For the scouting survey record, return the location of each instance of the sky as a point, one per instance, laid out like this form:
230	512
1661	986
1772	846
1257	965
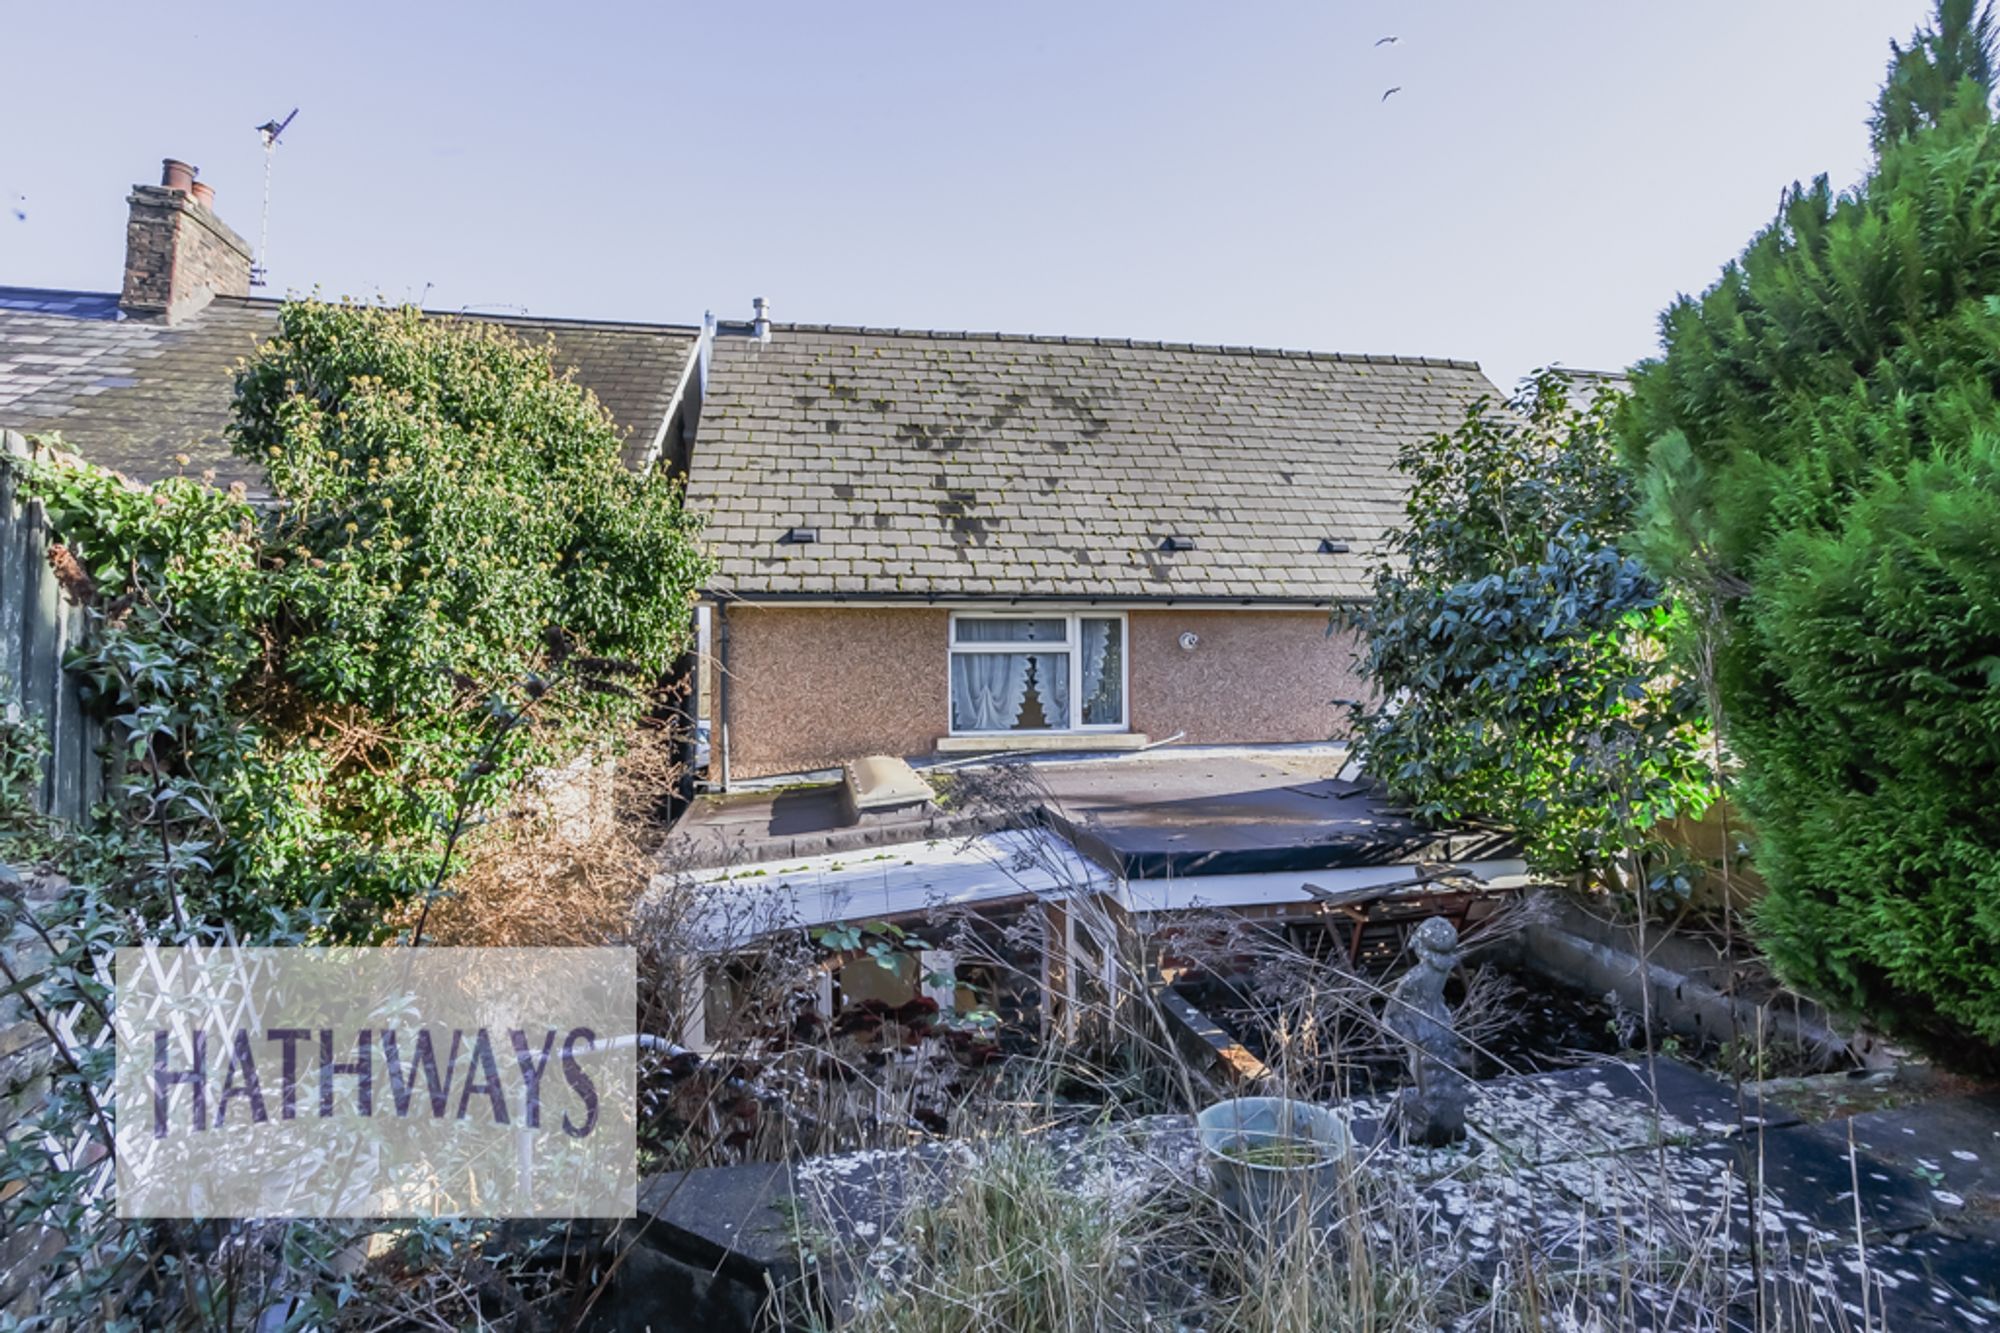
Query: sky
1551	174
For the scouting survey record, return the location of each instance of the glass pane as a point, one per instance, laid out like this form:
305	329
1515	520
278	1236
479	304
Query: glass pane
1048	690
1051	630
1009	691
1103	649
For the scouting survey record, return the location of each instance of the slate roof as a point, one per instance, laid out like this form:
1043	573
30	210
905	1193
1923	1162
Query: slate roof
1585	385
131	395
941	465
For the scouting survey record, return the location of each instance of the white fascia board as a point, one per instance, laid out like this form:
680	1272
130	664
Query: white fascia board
996	603
1288	887
697	357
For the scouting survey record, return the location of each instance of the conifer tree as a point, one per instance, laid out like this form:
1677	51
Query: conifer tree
1941	64
1822	444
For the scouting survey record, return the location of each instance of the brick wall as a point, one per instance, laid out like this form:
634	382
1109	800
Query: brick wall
178	256
812	687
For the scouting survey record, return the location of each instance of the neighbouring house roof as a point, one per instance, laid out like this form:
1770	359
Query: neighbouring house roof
945	465
130	395
1585	385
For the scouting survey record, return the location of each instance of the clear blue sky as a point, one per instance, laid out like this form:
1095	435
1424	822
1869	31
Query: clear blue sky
1551	174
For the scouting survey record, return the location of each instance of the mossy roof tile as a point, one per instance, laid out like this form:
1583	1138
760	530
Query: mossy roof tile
977	458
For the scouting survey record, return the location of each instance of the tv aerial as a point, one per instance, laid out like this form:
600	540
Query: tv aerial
269	132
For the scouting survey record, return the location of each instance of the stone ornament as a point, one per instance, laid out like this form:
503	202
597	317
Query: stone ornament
1431	1111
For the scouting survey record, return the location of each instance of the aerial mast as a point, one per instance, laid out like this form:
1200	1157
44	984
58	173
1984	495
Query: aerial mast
269	131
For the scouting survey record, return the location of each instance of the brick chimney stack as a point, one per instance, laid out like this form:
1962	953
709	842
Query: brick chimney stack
178	254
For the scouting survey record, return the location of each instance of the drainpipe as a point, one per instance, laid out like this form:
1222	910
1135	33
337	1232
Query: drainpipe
721	738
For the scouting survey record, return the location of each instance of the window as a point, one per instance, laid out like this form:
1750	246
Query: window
1037	672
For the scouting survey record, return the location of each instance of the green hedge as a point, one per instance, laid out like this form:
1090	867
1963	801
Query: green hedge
1822	434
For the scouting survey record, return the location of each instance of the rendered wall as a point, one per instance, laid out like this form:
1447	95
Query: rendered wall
812	687
1253	676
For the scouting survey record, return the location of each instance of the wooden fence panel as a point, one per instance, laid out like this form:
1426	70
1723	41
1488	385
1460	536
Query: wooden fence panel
38	626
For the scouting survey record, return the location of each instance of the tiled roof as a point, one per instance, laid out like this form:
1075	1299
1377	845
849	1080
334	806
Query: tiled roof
131	395
1585	385
970	464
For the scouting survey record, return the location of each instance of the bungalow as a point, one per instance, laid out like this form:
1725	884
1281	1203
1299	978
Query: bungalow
925	543
940	543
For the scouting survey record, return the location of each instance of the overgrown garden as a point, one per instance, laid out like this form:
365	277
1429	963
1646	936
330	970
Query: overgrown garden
1768	580
1820	432
318	708
457	590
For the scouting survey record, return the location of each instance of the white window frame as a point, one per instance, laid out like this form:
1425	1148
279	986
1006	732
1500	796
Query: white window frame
1071	646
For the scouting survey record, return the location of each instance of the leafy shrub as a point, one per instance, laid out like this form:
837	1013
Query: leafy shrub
449	499
1519	655
1822	432
460	585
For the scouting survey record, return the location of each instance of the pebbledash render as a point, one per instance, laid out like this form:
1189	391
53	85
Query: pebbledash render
935	543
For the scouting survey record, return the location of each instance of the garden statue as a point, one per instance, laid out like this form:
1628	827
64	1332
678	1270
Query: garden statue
1431	1111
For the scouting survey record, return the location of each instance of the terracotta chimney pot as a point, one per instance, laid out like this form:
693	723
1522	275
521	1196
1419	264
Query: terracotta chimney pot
176	174
204	194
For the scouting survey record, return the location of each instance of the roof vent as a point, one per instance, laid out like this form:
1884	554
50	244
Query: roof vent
760	319
1333	546
1177	544
799	536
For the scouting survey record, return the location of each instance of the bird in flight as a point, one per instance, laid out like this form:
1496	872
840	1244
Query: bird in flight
20	213
1388	41
1392	92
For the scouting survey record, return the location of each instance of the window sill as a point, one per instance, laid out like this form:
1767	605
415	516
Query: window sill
1045	742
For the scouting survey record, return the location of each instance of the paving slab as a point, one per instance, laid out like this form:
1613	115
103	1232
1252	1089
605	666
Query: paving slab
1699	1100
1611	1106
1815	1179
1935	1280
1951	1145
737	1219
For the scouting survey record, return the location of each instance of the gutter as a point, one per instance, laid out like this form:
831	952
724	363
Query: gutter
954	599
